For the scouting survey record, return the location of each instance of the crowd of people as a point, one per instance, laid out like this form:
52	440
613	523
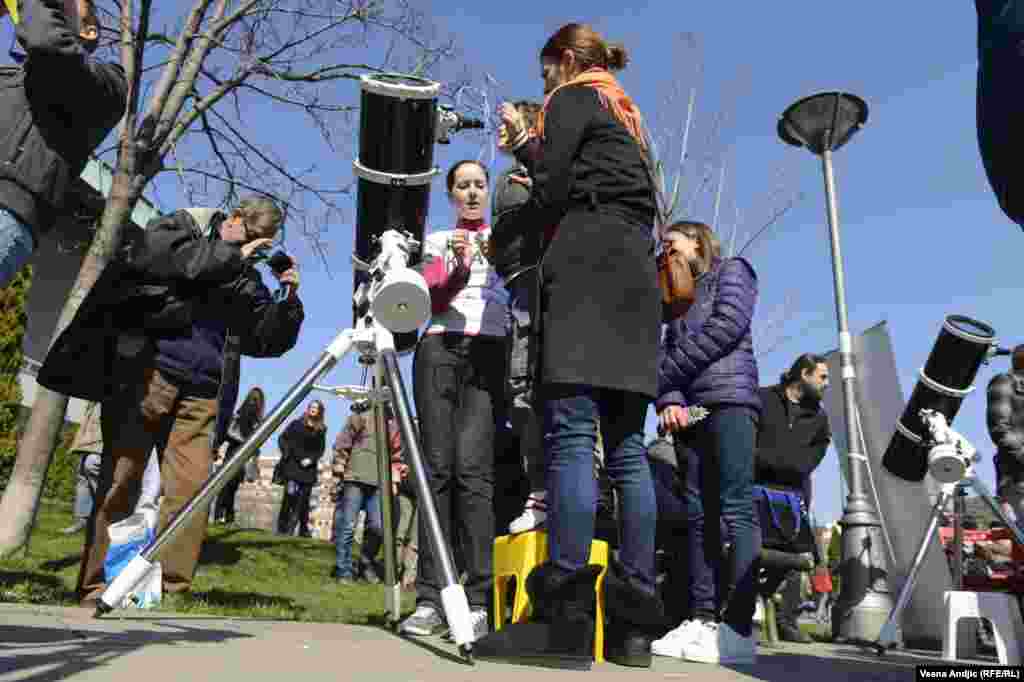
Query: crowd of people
561	291
550	338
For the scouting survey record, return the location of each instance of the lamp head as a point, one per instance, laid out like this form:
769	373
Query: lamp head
823	122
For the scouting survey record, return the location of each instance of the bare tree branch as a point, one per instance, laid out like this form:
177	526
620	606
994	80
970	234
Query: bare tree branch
163	88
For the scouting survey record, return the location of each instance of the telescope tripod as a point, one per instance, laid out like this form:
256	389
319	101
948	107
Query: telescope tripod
375	345
890	636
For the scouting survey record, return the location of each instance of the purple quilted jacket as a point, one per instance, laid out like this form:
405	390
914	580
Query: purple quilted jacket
707	356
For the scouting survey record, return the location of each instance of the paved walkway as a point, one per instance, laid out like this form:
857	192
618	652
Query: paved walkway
42	644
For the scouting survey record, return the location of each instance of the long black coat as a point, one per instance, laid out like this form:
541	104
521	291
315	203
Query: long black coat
600	302
149	290
299	442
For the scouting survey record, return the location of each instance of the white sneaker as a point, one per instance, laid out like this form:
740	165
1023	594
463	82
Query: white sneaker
481	626
719	643
672	643
535	513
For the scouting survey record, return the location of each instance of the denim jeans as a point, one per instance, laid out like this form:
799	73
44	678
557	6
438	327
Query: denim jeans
525	420
88	482
719	498
16	246
572	414
354	498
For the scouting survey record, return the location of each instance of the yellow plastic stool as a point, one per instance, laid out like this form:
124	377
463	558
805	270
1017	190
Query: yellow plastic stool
516	555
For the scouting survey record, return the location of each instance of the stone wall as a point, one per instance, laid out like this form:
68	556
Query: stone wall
258	503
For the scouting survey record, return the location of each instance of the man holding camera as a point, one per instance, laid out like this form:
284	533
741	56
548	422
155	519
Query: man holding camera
55	109
158	340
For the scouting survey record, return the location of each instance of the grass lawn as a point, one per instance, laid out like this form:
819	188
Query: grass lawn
243	573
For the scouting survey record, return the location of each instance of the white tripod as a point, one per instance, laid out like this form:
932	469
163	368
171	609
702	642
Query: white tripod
951	462
397	300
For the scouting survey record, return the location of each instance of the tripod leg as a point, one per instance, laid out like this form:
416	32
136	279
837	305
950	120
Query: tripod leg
139	567
453	596
889	635
985	494
392	594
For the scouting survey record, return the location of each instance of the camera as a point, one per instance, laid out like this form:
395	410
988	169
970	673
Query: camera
280	263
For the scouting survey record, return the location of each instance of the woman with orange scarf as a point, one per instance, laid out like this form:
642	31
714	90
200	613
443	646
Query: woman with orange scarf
594	201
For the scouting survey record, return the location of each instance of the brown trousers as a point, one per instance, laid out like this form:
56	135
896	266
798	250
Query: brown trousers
153	413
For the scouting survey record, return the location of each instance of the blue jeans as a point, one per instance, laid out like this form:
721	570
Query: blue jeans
88	481
571	416
356	497
718	492
16	246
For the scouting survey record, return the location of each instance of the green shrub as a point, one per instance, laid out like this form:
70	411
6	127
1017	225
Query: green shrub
12	335
62	475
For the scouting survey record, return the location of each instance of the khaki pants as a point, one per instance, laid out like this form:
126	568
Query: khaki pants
406	538
153	413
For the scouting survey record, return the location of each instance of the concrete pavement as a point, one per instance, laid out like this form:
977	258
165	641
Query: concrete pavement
45	644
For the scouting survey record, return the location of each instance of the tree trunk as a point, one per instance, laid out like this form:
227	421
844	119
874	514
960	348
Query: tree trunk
20	503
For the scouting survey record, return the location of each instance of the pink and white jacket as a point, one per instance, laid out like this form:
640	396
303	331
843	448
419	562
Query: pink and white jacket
465	298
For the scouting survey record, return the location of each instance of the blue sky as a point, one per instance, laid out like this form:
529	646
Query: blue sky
922	235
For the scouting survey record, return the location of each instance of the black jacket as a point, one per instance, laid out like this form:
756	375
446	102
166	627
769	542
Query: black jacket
600	306
516	245
150	290
791	441
54	111
1000	100
299	442
1005	419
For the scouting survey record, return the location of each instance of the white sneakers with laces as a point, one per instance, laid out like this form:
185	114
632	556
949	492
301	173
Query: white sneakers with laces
704	642
673	642
535	513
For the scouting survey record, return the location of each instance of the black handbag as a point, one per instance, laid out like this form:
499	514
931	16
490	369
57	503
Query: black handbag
785	524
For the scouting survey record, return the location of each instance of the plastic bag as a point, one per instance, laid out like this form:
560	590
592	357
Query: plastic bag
127	539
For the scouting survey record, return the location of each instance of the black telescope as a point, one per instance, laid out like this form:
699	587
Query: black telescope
947	378
397	129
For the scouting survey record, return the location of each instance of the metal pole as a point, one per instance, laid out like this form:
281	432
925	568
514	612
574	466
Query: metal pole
392	596
419	473
982	490
132	574
453	596
958	538
863	567
890	631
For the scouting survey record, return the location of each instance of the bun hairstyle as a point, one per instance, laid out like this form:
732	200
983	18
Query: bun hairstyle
617	57
588	47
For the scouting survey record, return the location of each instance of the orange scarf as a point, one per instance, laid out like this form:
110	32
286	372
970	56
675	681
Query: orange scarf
613	97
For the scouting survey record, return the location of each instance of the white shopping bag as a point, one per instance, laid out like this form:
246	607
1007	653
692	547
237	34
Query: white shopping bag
127	539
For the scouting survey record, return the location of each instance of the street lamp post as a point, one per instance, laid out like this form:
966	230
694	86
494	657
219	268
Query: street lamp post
823	123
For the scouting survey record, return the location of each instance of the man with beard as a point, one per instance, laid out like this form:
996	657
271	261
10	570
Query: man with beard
792	438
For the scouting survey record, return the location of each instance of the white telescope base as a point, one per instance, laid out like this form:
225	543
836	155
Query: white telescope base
456	608
130	577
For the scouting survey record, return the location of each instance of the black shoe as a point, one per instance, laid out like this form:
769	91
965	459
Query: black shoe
560	633
634	618
788	632
369	573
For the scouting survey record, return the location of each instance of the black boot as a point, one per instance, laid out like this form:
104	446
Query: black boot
560	632
633	619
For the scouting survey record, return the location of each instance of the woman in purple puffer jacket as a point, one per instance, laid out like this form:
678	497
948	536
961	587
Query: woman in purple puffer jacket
707	358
